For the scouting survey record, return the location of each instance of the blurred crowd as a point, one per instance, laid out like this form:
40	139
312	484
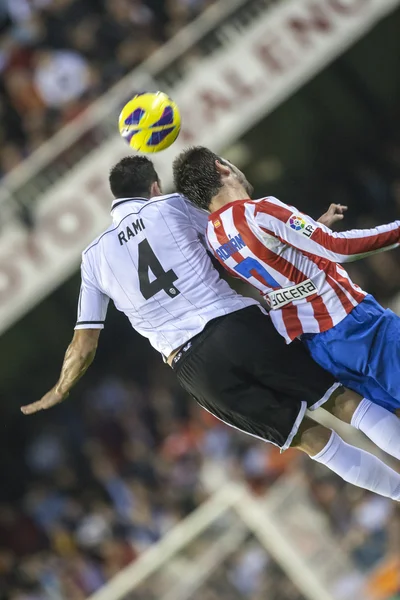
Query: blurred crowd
367	179
109	472
56	56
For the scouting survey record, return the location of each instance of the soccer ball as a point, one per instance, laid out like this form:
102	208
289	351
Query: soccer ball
150	122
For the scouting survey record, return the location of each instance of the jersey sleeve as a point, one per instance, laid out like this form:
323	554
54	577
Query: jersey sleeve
302	232
92	304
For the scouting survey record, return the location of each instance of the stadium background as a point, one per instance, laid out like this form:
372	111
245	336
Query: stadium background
85	488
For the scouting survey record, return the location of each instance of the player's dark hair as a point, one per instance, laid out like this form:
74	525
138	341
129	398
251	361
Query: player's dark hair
132	177
196	176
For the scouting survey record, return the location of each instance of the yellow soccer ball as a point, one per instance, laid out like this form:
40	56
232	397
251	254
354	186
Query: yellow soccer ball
150	122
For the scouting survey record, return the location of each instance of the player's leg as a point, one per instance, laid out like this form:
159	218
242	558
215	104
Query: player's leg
352	464
241	371
379	425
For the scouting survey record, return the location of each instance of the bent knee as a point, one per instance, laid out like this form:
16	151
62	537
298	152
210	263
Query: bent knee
344	404
311	437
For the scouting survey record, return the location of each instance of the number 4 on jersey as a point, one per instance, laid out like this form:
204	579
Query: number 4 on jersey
164	280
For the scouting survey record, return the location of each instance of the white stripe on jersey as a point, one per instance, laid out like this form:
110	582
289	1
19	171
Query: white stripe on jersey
274	246
246	252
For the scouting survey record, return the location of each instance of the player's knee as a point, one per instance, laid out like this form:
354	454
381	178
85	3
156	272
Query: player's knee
311	437
344	404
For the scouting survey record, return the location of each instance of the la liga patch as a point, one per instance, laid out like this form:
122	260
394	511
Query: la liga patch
300	225
297	223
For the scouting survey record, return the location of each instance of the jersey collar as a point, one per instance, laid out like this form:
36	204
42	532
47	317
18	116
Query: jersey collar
120	201
225	207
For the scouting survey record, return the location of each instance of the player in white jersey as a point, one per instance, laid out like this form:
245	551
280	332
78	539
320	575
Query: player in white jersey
152	263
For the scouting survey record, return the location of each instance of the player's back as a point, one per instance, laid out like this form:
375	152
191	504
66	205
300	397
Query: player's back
152	264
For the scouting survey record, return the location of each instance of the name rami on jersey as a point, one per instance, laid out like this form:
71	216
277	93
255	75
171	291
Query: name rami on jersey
130	231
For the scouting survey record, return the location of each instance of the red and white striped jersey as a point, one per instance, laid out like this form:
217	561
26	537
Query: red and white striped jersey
292	260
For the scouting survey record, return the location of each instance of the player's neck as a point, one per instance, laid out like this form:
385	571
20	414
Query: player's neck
227	195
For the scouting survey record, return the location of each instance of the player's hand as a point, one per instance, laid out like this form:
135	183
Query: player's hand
334	214
50	399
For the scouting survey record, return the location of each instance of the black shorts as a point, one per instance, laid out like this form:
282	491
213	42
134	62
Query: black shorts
240	370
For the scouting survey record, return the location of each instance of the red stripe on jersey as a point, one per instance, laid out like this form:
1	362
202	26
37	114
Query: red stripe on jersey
290	315
339	245
329	268
269	208
292	322
348	285
321	313
223	239
345	302
331	271
337	291
264	254
354	246
317	260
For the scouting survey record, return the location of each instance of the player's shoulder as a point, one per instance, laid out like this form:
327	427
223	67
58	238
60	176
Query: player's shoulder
259	202
268	199
270	205
138	206
169	205
166	200
95	243
266	204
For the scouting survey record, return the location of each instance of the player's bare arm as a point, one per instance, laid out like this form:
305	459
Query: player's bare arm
78	358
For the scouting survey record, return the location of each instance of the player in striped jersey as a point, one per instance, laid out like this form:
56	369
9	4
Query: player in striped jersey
223	348
293	261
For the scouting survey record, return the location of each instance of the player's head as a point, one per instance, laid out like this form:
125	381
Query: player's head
201	175
134	177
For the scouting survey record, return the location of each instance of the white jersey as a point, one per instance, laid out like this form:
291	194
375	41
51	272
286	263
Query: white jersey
152	263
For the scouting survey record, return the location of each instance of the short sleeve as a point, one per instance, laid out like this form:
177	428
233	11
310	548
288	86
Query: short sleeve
92	304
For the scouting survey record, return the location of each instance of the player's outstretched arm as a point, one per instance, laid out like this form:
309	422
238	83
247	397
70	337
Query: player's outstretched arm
78	358
302	232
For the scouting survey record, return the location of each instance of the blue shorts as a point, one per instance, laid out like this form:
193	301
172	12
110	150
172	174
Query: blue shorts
363	352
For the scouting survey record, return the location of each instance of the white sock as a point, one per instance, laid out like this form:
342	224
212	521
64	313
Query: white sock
359	468
380	425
